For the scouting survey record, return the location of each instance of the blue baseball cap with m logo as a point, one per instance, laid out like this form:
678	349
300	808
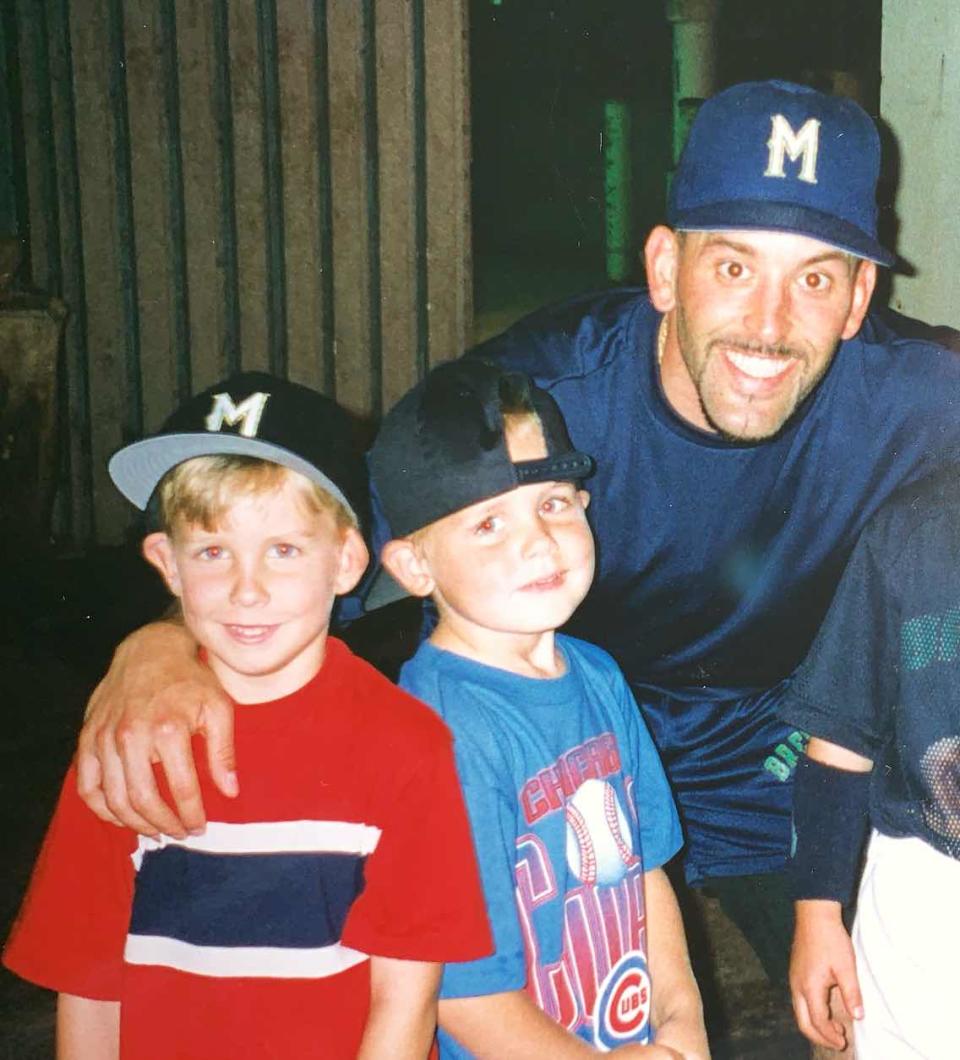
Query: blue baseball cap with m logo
783	157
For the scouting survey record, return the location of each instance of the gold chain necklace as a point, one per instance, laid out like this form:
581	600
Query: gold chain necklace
661	341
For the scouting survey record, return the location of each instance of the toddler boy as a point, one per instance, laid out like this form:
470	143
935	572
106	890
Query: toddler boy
880	695
571	813
309	919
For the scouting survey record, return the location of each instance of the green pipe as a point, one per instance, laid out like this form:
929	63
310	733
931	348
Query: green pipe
618	222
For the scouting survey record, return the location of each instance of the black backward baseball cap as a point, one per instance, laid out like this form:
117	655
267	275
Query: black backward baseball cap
442	447
258	415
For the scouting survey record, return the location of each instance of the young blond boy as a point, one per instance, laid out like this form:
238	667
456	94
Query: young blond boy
571	813
309	919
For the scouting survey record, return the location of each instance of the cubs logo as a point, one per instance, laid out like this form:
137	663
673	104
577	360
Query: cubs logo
623	1004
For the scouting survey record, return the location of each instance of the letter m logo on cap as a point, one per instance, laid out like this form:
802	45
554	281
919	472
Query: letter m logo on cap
247	413
785	143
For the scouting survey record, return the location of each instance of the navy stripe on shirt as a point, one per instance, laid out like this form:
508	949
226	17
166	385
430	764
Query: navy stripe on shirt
262	899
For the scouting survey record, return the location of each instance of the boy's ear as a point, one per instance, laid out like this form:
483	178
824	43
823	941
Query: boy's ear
158	552
354	557
407	566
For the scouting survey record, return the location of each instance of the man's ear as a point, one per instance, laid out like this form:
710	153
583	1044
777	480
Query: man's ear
863	285
406	565
158	552
354	557
661	255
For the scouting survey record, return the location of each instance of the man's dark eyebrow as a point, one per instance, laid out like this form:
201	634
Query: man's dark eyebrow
717	239
830	255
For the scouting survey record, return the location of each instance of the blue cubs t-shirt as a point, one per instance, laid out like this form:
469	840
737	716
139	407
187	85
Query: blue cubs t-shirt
569	806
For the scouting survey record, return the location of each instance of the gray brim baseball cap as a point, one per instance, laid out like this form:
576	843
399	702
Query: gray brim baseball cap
258	415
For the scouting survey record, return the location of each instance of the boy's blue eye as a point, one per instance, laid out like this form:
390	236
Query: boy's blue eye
211	552
285	551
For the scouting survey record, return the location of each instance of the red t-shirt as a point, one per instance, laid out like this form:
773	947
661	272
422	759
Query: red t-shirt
348	838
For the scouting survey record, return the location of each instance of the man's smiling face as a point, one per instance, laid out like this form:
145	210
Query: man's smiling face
758	316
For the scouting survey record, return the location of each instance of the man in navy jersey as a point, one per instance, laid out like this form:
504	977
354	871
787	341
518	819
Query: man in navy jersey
747	416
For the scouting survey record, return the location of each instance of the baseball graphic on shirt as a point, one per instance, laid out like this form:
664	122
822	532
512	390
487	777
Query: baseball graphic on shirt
599	845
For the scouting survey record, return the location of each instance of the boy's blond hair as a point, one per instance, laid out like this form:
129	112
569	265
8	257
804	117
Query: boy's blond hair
199	491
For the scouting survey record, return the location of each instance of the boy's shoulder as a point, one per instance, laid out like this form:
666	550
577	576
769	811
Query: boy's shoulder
431	673
368	699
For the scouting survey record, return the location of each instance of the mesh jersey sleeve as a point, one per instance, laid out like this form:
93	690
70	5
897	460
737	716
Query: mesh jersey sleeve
847	686
70	932
422	898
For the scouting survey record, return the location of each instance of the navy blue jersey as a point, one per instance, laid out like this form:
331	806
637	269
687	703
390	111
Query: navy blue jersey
883	675
717	560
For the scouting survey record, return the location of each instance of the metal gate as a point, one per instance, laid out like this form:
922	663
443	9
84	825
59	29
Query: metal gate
214	184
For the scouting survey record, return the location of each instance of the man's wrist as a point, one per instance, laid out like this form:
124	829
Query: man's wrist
831	813
809	910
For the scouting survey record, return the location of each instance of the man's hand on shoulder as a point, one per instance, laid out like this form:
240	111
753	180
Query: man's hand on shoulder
154	698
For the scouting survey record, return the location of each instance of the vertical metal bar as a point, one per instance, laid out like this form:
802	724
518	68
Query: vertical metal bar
77	397
694	62
273	185
228	197
126	228
54	280
15	206
8	55
325	197
420	186
372	156
169	60
48	171
617	189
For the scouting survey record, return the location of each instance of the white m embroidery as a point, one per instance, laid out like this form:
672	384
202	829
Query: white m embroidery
785	143
247	413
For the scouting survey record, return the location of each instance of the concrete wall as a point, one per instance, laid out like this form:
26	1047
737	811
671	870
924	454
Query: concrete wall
920	102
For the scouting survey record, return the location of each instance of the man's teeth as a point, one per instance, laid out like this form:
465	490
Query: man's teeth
759	367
